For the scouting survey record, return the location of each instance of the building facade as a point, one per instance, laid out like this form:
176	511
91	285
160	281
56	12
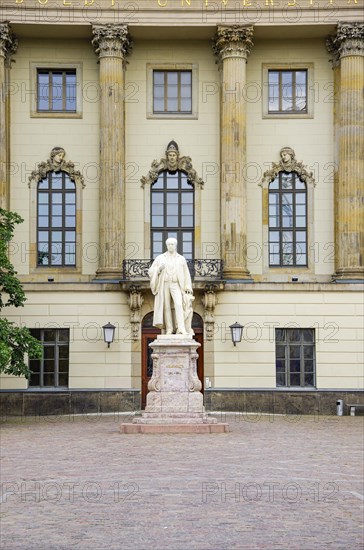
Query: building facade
262	104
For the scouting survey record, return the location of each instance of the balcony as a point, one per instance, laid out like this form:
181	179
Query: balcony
202	272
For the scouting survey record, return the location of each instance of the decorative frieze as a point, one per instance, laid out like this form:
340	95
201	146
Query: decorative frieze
288	163
111	40
172	162
56	163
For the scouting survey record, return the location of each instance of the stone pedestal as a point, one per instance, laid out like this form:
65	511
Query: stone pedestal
174	401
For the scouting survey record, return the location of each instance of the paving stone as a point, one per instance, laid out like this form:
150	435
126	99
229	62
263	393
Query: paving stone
272	482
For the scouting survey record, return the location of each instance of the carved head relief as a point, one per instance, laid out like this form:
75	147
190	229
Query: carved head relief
172	156
57	157
287	155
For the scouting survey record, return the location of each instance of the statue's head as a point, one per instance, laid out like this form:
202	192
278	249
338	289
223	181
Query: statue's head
171	244
287	154
172	154
57	155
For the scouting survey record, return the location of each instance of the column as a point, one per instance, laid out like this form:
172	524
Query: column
112	44
232	45
8	46
349	192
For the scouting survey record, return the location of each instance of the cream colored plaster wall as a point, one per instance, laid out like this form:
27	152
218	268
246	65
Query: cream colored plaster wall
92	364
311	138
33	138
146	139
336	317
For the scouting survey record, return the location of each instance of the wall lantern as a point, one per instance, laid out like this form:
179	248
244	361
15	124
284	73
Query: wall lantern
236	332
109	332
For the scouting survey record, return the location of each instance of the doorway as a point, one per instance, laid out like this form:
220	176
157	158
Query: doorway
150	333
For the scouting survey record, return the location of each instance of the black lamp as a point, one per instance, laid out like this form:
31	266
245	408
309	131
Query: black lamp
236	332
109	332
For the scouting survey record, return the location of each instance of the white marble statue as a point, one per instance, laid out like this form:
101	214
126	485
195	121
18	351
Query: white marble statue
170	279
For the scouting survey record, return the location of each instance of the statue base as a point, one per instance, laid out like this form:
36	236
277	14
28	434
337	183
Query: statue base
174	401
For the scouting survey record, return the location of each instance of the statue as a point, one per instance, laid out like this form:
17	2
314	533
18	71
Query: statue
170	278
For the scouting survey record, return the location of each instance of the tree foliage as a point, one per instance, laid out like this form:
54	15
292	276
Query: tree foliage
15	342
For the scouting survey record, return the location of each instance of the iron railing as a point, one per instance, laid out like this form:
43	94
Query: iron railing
205	270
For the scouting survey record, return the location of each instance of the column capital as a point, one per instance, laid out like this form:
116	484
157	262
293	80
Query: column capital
348	41
111	40
233	41
8	42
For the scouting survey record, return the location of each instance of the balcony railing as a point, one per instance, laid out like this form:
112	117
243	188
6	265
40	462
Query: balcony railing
204	270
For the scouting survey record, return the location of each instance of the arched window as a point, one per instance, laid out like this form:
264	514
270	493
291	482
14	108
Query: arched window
287	221
172	213
56	220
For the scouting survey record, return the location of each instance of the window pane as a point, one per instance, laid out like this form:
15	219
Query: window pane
187	209
274	184
63	336
57	209
186	77
63	379
280	335
308	352
186	105
158	77
187	221
43	221
308	365
70	221
281	379
157	221
172	105
56	181
159	92
286	180
49	335
43	198
300	198
172	210
295	379
280	352
43	92
172	77
294	335
309	379
308	335
56	221
280	365
301	221
158	105
70	92
295	365
294	352
172	221
57	89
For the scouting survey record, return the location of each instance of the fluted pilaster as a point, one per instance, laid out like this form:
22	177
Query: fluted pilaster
348	48
232	45
112	44
8	46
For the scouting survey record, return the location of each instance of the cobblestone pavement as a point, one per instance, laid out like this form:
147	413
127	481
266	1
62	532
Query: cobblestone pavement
273	482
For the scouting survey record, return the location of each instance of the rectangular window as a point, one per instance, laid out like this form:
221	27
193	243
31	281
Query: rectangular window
295	357
52	370
56	90
287	91
172	92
